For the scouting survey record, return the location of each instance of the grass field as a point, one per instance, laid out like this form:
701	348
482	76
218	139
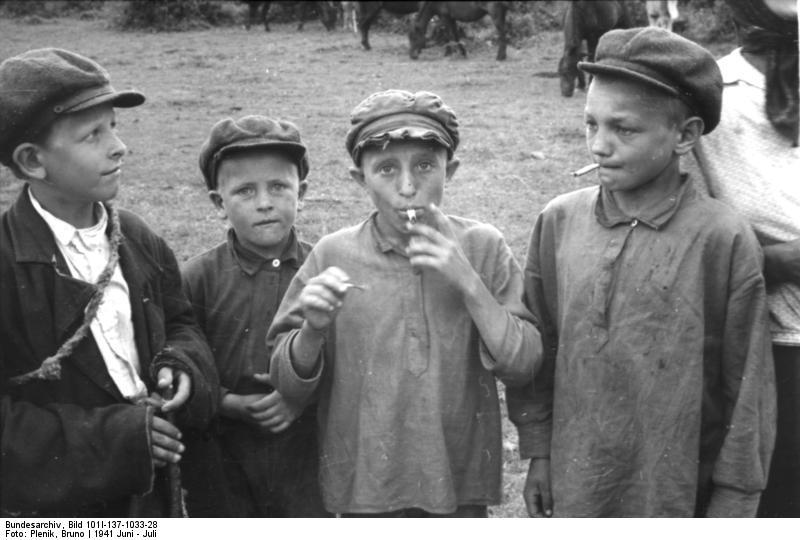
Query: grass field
520	138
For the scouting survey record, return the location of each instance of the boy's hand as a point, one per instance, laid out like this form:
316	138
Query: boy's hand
166	378
270	412
537	494
322	297
165	442
435	247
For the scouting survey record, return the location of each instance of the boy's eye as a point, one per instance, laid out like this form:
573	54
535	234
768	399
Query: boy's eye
425	166
623	130
245	191
386	169
278	188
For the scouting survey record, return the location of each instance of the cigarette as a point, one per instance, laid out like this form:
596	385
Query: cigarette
412	215
585	170
349	285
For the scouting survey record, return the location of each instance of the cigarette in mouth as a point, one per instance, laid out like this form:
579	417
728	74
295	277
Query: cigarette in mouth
585	170
412	215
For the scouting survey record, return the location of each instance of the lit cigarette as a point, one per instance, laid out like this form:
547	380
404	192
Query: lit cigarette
412	215
585	170
349	285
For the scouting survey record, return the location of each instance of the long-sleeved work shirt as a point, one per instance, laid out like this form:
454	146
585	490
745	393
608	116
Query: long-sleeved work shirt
656	392
408	406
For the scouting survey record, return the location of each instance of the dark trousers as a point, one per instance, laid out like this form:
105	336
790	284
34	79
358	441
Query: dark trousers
466	511
782	496
274	475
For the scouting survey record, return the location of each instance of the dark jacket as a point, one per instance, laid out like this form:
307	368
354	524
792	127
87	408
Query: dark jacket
41	305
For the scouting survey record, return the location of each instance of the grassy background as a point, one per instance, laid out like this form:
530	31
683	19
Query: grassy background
520	138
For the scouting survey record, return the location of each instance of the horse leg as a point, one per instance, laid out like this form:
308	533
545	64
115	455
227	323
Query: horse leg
452	28
498	12
367	13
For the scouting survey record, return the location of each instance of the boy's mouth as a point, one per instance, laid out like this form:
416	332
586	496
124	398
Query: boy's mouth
115	170
412	215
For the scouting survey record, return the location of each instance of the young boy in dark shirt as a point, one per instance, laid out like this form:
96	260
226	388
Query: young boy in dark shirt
94	326
656	395
255	170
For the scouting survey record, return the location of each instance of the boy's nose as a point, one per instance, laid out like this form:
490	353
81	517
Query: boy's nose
263	200
118	148
599	144
407	186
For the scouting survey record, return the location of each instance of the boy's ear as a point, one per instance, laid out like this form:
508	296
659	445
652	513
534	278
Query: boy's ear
27	158
218	203
451	168
301	192
689	132
357	174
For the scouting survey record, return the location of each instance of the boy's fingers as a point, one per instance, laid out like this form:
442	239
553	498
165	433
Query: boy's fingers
164	428
262	378
164	377
264	403
440	221
182	393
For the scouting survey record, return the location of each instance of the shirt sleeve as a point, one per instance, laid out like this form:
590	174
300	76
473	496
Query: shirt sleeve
530	408
56	456
515	362
748	388
283	330
185	346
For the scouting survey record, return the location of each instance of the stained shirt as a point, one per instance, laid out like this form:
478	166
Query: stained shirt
656	394
235	294
753	169
408	409
87	252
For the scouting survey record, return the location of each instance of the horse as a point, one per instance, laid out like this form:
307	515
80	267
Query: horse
369	11
258	11
584	20
450	12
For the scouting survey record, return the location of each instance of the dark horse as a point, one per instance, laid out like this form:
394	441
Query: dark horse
369	11
258	12
588	21
450	12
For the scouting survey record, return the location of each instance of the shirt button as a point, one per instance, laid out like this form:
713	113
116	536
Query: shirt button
634	223
276	263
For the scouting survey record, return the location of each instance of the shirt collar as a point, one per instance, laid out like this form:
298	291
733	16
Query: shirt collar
381	242
609	214
251	262
64	232
735	68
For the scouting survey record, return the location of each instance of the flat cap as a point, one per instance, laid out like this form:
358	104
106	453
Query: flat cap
398	114
38	86
250	132
664	60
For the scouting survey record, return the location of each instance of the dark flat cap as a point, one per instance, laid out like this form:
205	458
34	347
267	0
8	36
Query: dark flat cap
248	132
398	114
664	60
38	86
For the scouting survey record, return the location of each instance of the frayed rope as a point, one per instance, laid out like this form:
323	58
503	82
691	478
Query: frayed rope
51	367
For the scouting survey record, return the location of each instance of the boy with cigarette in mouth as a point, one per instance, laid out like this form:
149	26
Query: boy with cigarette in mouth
405	364
656	394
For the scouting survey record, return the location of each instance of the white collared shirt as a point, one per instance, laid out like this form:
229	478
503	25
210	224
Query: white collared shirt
87	252
752	168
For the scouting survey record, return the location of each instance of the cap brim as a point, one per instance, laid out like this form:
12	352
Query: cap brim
295	148
125	100
604	69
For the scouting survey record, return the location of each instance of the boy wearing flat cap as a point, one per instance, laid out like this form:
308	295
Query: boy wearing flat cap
401	324
94	326
255	170
656	395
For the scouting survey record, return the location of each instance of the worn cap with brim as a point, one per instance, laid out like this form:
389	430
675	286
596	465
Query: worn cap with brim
666	61
251	132
401	115
39	86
